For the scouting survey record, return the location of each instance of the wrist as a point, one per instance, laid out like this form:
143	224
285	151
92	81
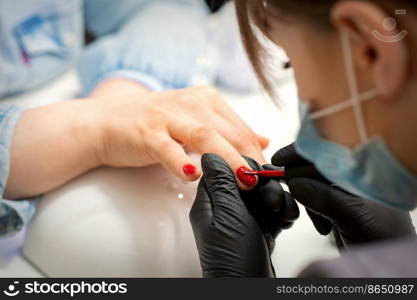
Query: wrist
116	87
51	145
88	130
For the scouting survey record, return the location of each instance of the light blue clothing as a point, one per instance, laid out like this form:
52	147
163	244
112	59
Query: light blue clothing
13	214
38	41
166	40
162	44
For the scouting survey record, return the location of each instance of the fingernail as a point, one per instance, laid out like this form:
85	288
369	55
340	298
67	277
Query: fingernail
189	169
248	180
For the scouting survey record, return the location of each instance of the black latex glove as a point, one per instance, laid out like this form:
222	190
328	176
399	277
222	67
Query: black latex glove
352	219
235	231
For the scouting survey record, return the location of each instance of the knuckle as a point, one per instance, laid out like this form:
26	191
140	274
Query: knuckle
241	143
143	130
161	147
206	93
157	114
186	98
201	134
213	95
210	90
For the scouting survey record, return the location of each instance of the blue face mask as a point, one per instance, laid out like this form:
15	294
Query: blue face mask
371	170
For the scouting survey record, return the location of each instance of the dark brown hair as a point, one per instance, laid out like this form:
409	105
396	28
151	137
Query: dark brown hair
252	16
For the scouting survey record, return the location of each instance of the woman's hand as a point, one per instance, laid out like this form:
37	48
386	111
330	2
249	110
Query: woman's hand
137	129
353	220
123	125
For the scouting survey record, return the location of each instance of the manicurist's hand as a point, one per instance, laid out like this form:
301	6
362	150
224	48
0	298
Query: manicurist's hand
235	230
123	125
353	220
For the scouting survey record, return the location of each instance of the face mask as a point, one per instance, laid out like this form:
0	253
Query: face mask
370	171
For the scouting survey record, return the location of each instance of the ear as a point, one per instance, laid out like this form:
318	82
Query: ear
383	47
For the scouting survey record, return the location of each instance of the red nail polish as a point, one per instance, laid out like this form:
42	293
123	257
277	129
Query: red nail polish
189	169
248	180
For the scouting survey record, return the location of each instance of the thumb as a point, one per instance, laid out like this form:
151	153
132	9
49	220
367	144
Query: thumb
202	211
322	225
288	156
317	197
221	185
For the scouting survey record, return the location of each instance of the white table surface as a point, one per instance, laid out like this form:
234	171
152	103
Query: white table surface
295	247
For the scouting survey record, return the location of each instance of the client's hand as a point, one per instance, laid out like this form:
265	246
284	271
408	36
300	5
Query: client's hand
140	128
123	125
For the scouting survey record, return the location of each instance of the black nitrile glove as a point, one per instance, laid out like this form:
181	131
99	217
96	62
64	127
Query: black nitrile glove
352	219
235	239
273	208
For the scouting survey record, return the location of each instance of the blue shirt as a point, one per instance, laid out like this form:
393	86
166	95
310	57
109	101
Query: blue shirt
162	44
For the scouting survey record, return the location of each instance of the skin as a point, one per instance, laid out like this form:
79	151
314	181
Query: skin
316	57
122	124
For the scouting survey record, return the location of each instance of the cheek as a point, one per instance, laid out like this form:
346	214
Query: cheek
320	80
318	67
323	88
306	77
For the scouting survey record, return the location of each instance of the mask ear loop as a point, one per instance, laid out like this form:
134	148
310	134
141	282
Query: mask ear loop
353	87
369	95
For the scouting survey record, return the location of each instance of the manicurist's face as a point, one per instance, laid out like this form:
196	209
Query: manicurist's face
317	58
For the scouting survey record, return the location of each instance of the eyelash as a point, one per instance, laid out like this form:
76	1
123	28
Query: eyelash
287	65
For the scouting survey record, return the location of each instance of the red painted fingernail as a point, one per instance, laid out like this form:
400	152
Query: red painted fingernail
248	180
189	169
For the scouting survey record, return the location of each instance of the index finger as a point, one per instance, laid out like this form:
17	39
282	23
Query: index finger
219	105
230	115
203	139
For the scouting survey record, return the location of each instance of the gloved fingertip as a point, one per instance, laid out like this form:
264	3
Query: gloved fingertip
286	225
271	167
253	163
301	187
322	225
273	195
207	160
217	172
214	165
291	210
284	156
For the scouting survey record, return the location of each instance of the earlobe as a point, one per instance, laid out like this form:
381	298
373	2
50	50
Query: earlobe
384	48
